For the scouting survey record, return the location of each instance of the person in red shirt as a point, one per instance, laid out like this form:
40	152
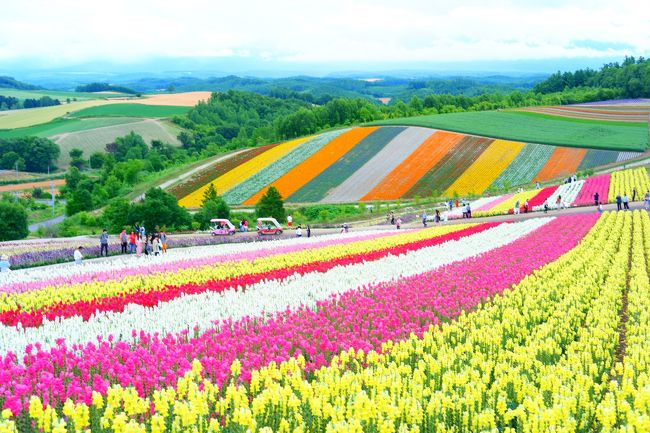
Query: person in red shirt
132	239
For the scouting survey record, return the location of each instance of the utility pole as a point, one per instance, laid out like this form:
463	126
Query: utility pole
51	190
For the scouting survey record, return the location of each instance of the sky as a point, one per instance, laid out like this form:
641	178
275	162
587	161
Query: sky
340	33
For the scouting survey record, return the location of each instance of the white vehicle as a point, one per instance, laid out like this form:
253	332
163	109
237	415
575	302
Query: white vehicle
268	226
222	226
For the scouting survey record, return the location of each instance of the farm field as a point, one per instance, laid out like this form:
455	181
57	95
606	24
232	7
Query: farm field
55	94
45	184
95	140
130	110
389	163
629	112
34	116
67	125
459	326
534	128
186	99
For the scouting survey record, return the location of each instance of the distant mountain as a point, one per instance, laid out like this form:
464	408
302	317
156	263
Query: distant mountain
12	83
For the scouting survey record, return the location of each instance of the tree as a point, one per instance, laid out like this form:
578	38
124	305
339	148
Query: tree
76	158
209	194
40	154
215	208
271	205
13	221
96	160
116	214
80	200
159	208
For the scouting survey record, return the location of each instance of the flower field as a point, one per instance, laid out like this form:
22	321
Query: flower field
624	182
539	325
388	163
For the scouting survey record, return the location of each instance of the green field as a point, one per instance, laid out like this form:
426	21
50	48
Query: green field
55	94
62	126
95	140
35	116
536	129
132	110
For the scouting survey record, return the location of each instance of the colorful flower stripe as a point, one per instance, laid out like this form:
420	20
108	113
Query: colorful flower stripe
450	166
348	164
492	203
596	184
242	172
145	298
267	175
405	175
298	176
623	182
486	168
541	197
507	206
398	308
32	279
211	173
66	294
155	362
259	299
525	166
563	162
597	157
363	180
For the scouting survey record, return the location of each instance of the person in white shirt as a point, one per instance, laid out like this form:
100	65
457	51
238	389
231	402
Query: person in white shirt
299	232
78	257
289	221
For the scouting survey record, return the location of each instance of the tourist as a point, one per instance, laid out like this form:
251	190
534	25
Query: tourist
558	202
456	202
596	198
537	185
526	206
308	231
155	245
103	243
424	218
634	194
398	223
5	265
436	218
626	202
600	207
545	206
299	231
143	232
132	239
289	220
392	218
123	241
619	202
163	241
517	208
78	257
647	201
138	245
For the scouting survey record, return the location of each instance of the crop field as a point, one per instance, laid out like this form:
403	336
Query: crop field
64	126
131	110
537	325
95	140
535	128
186	99
389	163
54	94
45	184
34	116
611	112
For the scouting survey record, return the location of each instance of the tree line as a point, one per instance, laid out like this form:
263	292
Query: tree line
12	103
28	153
104	87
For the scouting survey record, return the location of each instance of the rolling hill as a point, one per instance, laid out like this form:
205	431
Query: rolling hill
394	162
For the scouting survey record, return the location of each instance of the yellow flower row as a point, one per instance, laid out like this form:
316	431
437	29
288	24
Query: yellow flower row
242	172
536	359
623	182
37	299
626	406
487	167
507	205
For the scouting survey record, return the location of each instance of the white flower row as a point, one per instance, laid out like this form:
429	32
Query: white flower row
457	212
567	193
261	298
118	264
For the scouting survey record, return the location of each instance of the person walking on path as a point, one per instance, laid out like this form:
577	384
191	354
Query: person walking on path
634	194
398	223
626	202
143	232
5	265
78	257
138	245
517	208
546	206
469	210
308	231
596	198
424	219
558	202
436	218
103	243
155	245
392	218
163	241
123	241
132	239
619	201
289	221
646	206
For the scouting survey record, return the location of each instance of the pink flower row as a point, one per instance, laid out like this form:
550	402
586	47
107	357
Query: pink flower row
363	319
596	184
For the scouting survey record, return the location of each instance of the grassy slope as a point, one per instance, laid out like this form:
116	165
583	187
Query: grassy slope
95	140
35	116
131	110
62	126
536	129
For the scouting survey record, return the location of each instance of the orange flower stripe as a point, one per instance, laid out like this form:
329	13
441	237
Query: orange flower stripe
564	161
487	167
405	175
300	175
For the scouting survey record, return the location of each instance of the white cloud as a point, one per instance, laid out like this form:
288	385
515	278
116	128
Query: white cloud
333	31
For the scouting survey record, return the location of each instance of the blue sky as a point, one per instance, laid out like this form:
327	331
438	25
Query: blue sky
341	33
